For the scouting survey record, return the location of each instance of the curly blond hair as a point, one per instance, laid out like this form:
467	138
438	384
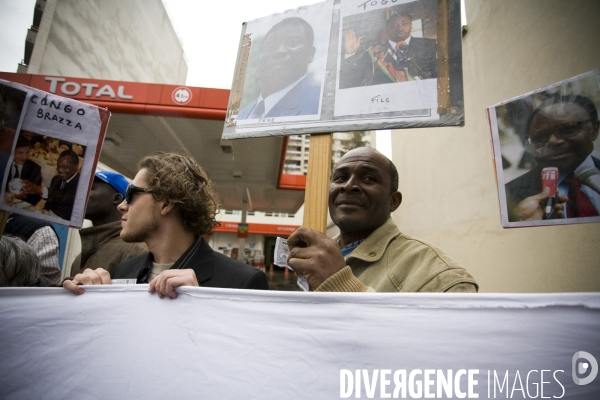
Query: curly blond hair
179	179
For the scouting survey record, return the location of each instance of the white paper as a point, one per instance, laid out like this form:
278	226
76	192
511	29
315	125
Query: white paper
116	342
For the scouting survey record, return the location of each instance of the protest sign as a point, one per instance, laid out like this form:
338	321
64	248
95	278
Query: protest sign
549	138
348	65
49	148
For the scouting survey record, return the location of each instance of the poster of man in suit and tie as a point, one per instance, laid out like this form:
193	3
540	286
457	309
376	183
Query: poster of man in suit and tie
347	65
44	175
547	154
52	157
286	67
388	59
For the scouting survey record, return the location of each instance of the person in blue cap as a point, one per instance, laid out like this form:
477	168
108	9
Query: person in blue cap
101	245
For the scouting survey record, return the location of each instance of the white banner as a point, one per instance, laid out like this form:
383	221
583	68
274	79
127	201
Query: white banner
117	342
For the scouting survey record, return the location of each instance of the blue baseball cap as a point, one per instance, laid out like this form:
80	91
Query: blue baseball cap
117	181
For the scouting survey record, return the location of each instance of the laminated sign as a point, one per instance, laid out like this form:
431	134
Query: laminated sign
348	65
547	154
49	148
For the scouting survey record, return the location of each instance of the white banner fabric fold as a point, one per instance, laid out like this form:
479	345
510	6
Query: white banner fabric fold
120	342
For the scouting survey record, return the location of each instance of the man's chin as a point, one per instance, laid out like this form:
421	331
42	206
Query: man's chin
131	237
563	163
347	222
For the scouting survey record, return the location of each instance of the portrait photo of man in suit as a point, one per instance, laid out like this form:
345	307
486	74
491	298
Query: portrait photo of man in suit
25	172
561	131
394	55
61	194
286	89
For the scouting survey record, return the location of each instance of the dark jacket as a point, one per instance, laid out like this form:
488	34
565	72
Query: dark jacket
102	246
303	99
361	69
526	185
60	201
31	172
212	269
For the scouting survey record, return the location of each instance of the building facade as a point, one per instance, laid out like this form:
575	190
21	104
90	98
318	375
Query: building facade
104	39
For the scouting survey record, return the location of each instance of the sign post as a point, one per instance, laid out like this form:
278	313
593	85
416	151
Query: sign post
317	182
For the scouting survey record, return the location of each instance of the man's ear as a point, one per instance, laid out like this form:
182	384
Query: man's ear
395	201
166	207
117	199
311	54
595	134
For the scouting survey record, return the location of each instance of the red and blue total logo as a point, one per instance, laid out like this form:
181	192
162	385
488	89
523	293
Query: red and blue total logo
182	95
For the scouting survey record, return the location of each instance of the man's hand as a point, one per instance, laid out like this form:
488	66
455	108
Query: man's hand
98	276
314	255
531	208
30	188
165	283
351	42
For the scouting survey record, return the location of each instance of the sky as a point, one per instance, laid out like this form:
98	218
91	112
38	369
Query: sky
209	32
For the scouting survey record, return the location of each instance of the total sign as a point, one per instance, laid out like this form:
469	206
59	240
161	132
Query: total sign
90	89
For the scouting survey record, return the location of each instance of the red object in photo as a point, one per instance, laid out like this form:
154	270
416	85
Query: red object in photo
550	179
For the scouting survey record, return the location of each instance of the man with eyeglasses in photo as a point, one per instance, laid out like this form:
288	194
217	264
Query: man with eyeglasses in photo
562	131
286	88
169	206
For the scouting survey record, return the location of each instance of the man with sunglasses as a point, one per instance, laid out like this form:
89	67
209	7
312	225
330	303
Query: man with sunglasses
561	134
169	206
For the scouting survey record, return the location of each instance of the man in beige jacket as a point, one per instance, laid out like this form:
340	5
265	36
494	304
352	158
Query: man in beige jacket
371	254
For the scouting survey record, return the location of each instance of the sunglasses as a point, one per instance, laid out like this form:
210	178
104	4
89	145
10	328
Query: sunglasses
131	190
563	131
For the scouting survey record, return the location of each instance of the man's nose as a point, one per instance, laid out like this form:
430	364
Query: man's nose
122	206
282	47
350	185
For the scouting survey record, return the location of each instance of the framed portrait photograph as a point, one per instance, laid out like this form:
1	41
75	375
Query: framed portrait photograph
44	175
49	149
285	71
346	65
547	154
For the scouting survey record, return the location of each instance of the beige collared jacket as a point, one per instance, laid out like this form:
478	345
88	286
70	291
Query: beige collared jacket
389	261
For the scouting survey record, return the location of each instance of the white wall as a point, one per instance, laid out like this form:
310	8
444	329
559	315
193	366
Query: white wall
130	40
447	176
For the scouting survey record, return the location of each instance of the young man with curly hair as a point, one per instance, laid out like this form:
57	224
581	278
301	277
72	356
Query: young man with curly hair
169	205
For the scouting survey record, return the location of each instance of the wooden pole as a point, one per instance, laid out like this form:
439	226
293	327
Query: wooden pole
317	182
443	65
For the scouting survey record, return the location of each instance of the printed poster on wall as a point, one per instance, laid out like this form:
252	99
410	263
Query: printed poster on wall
348	65
547	154
49	148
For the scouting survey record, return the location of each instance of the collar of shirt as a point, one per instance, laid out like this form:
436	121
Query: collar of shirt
71	178
588	191
350	247
393	44
274	98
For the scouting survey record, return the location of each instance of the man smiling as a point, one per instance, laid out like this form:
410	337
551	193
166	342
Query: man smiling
285	87
371	254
